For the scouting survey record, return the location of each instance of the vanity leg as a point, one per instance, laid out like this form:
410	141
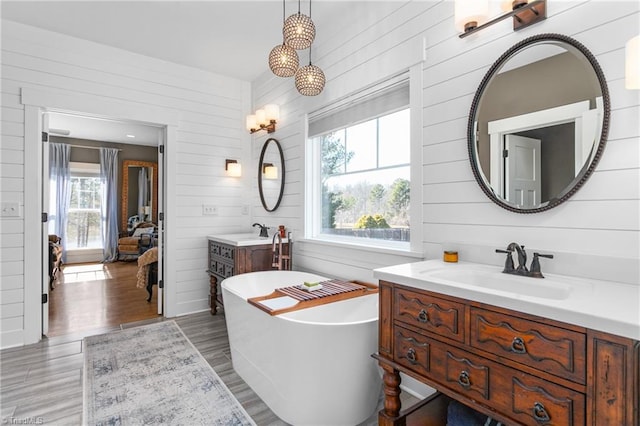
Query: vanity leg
389	415
213	294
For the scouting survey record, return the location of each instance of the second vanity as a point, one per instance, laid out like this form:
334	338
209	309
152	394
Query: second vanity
551	351
233	254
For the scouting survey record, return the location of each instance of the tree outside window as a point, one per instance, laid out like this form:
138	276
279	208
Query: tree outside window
365	179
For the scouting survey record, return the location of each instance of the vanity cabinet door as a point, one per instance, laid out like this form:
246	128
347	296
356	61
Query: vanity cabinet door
442	317
547	348
254	258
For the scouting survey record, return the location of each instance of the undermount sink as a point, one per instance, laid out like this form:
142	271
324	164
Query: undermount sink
477	275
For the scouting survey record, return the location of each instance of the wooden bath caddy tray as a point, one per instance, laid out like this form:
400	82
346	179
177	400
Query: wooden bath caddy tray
292	298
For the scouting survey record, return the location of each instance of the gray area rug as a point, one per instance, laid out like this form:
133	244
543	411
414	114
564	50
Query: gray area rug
153	374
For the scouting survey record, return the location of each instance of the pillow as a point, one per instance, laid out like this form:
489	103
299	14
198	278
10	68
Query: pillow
142	231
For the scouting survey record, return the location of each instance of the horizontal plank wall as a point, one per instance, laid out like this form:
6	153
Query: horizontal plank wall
595	234
210	111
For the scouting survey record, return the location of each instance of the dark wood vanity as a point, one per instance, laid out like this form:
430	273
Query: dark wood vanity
514	367
226	260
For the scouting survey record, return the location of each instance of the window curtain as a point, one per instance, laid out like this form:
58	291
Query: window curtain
109	179
143	188
60	191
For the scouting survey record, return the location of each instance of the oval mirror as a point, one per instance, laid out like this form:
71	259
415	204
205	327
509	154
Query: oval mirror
538	123
271	175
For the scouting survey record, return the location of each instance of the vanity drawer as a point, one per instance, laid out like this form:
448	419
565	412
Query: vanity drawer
545	347
534	401
439	316
412	350
465	373
525	398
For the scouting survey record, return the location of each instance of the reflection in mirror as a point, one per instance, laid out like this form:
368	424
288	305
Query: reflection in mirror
271	173
538	123
139	200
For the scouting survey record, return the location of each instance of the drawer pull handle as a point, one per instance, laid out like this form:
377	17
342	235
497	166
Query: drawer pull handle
411	355
540	414
423	316
517	346
463	379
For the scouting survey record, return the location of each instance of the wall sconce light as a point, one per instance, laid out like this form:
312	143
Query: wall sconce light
632	64
264	119
470	14
269	171
233	168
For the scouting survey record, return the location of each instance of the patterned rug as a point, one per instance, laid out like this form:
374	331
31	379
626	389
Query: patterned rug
153	374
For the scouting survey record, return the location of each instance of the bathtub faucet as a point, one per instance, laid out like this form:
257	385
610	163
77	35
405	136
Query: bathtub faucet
263	230
281	259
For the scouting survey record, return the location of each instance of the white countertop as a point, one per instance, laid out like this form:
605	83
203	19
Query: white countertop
244	239
606	306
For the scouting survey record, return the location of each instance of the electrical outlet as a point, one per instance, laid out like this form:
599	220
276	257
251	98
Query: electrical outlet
209	210
10	209
244	210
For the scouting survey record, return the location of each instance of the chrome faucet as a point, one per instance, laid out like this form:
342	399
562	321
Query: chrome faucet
522	261
263	230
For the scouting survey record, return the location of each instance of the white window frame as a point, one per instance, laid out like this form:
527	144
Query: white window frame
313	202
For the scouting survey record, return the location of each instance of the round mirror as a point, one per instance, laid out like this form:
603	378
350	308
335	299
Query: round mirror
271	175
538	123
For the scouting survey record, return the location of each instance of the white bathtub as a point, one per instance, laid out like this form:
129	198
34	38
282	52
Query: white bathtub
312	366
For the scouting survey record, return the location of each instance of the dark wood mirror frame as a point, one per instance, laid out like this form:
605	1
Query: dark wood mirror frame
587	169
282	176
125	190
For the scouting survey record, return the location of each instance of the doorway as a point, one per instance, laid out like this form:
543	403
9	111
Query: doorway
90	293
36	101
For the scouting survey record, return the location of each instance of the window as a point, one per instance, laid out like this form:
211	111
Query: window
84	228
361	169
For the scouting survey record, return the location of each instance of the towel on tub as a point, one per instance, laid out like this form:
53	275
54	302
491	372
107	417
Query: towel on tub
144	262
460	415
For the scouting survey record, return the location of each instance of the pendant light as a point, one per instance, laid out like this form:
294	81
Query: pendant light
299	30
310	79
283	60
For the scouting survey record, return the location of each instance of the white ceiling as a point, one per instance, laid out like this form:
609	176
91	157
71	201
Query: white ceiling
231	38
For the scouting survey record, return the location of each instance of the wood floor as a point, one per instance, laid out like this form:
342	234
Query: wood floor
93	296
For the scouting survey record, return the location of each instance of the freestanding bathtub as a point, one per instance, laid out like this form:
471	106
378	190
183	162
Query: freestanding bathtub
312	366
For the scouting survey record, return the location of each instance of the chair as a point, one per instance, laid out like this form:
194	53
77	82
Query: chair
55	258
141	239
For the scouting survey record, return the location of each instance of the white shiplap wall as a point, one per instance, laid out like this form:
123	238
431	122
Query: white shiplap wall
209	111
595	234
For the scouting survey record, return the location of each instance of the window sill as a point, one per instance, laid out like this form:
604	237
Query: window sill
398	249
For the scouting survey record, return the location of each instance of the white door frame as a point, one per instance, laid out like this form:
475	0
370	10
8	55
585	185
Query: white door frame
570	113
36	102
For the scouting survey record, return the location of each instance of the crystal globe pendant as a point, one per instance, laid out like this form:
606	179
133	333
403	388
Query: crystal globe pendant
310	79
283	61
299	30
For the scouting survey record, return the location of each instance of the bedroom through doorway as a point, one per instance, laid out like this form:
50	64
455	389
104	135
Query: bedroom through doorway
96	285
